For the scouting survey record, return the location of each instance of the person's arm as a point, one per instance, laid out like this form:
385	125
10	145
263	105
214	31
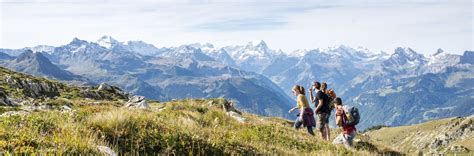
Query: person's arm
292	109
338	118
311	97
320	104
320	101
298	103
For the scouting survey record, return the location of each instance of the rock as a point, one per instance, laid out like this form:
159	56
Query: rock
35	89
137	102
65	108
178	107
237	116
105	86
4	100
91	94
229	106
106	151
88	93
458	149
113	89
136	99
94	103
210	103
143	104
104	92
38	108
26	102
13	113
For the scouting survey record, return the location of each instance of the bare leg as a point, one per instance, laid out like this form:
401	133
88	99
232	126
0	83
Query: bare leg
322	136
328	132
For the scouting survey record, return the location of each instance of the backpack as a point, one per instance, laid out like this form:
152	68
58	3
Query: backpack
330	93
351	115
327	108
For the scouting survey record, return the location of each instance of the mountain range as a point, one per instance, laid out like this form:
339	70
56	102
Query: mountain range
176	73
402	88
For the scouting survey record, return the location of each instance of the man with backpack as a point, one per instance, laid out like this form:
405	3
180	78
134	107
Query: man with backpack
321	104
346	118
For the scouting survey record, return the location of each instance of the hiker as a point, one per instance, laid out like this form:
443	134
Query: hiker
324	86
321	104
348	130
327	130
306	115
332	99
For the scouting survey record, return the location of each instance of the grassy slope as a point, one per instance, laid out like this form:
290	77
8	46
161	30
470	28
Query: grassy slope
187	126
404	138
468	142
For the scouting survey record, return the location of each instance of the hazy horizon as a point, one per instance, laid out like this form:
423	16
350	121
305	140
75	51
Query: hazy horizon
423	26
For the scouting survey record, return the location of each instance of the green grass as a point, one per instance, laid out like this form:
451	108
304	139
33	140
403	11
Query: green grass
43	132
182	127
185	127
4	109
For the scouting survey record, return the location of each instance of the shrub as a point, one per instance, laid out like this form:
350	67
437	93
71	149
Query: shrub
373	128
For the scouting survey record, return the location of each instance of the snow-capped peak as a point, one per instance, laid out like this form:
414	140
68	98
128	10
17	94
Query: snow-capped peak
77	41
438	52
258	44
359	53
407	53
42	48
186	49
298	53
253	49
135	43
279	52
141	47
206	47
107	41
441	60
404	60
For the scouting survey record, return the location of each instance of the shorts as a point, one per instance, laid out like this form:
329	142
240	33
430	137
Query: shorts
323	120
346	139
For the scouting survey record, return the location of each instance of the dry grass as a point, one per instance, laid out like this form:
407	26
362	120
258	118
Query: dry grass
406	138
181	127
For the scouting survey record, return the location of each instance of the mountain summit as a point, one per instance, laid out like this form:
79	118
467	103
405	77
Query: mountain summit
37	64
260	79
107	42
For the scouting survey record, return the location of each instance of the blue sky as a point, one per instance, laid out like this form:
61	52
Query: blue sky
379	25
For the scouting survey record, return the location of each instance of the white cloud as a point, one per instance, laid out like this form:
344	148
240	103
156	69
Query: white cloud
289	25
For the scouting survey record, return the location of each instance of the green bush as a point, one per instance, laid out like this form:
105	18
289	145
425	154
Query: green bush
373	128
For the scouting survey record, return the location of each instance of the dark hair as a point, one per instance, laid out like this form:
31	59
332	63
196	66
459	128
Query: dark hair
317	85
324	86
338	101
